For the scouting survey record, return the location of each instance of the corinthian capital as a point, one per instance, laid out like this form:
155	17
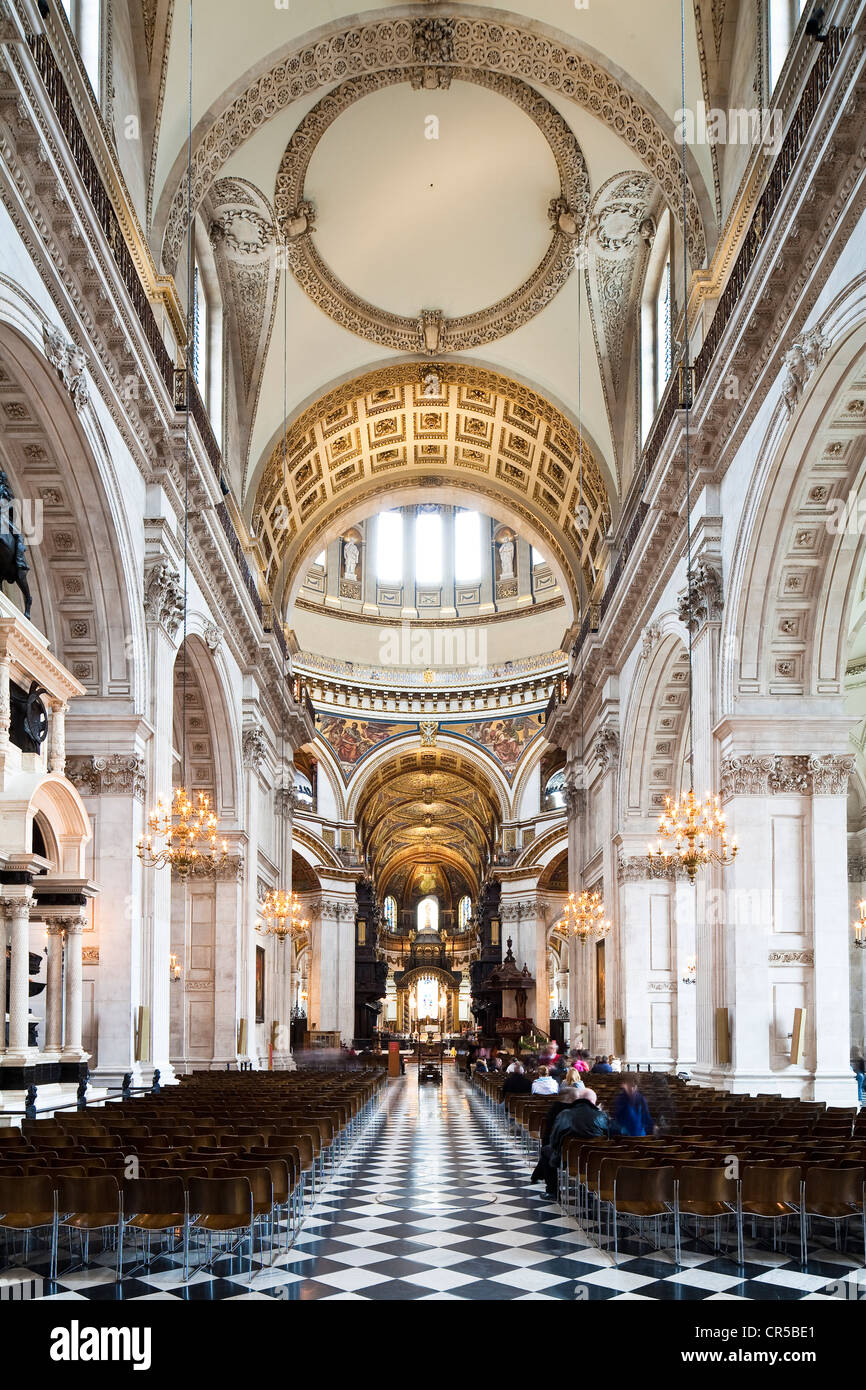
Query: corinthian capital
701	602
163	596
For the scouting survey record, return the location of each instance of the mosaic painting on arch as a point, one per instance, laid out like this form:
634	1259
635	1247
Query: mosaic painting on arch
505	739
352	739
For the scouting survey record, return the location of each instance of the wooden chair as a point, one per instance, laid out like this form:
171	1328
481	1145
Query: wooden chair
768	1193
223	1206
30	1204
833	1194
90	1204
153	1204
643	1194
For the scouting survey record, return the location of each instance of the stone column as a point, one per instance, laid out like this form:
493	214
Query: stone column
332	982
163	609
72	1049
831	929
5	702
4	936
254	747
788	919
57	737
686	1000
700	608
54	989
17	908
112	785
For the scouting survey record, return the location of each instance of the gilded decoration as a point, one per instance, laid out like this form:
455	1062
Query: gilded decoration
498	437
478	44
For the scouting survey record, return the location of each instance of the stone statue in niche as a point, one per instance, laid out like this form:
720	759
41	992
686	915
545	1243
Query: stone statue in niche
506	559
351	556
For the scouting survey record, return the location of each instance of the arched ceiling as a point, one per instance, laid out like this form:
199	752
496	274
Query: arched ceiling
428	804
326	133
445	429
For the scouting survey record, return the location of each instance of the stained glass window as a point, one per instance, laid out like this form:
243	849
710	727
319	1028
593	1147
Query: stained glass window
464	911
391	913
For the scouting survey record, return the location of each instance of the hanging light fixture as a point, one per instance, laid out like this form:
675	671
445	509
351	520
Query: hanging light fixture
584	913
183	834
696	836
282	914
279	909
583	917
692	833
860	926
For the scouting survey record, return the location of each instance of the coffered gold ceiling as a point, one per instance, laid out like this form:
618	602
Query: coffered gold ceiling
428	803
475	432
402	224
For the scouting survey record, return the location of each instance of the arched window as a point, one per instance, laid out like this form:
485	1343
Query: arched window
783	18
206	348
85	21
656	330
391	913
464	912
467	547
427	915
428	548
389	547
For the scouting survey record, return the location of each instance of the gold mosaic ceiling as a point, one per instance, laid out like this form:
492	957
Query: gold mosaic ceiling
428	802
430	426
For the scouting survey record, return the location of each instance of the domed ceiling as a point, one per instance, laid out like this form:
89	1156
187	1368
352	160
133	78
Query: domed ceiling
423	182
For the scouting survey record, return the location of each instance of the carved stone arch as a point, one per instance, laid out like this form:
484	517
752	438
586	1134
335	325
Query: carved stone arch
484	434
56	801
58	462
525	768
212	740
655	728
414	367
468	756
539	55
295	216
792	595
329	765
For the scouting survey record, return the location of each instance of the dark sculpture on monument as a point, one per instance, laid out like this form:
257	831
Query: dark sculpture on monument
13	564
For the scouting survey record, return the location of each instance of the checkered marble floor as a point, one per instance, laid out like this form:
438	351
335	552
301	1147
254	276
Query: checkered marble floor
434	1202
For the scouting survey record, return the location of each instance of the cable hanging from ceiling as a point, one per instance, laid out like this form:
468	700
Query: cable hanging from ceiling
183	832
584	913
692	832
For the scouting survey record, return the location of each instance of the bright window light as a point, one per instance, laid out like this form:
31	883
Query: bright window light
467	547
537	557
428	548
321	558
389	547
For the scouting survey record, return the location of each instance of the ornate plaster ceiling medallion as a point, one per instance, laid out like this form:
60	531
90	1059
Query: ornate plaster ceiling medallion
483	44
430	330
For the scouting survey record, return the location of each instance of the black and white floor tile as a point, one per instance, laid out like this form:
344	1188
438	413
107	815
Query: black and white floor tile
434	1202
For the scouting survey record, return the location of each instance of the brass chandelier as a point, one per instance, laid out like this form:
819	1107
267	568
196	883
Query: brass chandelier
183	837
281	913
694	830
583	917
696	833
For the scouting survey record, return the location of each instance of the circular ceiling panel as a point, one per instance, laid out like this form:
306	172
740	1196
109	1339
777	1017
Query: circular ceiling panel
415	190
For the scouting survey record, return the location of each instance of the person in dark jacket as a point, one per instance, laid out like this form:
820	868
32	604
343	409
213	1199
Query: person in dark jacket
631	1114
584	1119
517	1083
600	1066
543	1171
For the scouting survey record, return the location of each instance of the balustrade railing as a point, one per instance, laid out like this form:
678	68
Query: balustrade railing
58	94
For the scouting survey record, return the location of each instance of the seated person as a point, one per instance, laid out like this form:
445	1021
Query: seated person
601	1066
516	1081
544	1084
571	1081
584	1119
